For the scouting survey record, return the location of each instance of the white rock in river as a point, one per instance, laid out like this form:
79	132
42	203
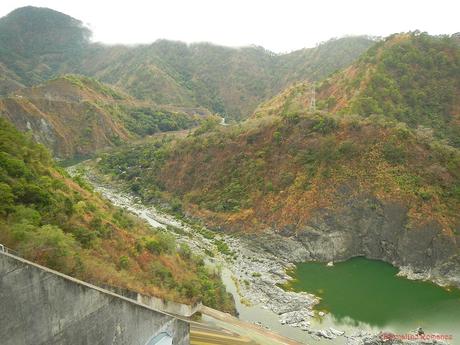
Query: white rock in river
336	332
325	333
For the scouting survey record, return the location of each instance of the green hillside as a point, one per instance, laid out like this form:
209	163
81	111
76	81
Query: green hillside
413	78
35	43
60	223
278	171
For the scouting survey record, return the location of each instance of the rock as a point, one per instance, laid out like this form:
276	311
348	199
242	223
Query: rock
336	332
325	333
330	264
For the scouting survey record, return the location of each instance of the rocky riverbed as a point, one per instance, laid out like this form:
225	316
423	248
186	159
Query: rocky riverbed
256	268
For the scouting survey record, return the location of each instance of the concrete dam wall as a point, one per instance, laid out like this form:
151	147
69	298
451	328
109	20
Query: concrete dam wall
39	306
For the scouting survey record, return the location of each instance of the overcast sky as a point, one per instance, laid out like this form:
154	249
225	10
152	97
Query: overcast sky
280	26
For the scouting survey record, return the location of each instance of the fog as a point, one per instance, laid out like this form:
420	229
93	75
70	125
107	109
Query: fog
279	26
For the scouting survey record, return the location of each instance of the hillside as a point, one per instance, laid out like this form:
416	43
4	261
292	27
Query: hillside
225	80
413	78
60	223
36	42
328	57
230	81
279	170
75	116
340	185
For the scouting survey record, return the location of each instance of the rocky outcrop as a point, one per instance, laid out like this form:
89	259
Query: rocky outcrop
69	115
365	226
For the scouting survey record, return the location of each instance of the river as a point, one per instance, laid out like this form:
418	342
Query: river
254	277
361	291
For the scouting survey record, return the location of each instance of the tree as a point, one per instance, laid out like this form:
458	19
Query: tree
6	198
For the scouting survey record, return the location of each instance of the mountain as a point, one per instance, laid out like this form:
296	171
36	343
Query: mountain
38	44
61	223
410	77
74	115
331	186
229	81
328	57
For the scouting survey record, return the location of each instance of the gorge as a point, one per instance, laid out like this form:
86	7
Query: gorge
314	193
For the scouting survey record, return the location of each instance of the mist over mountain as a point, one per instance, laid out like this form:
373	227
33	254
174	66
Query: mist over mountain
230	81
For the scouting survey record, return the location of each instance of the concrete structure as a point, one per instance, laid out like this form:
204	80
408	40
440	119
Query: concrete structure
41	306
169	307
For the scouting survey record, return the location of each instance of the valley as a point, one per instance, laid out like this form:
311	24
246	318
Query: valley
312	195
255	277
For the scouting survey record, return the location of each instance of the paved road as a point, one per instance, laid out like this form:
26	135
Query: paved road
206	335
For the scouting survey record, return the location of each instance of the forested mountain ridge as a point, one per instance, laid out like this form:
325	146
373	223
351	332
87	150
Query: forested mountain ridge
230	81
61	223
35	43
411	77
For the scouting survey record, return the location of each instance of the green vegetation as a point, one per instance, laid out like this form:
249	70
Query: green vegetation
92	85
284	164
60	223
35	42
147	121
247	177
413	78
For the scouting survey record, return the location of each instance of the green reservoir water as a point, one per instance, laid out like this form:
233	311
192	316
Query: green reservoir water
362	291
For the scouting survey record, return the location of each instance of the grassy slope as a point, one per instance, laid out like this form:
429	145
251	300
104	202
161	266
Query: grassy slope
60	223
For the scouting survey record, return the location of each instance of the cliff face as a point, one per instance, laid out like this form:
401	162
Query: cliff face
76	116
374	229
68	115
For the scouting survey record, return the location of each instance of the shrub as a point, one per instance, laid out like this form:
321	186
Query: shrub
163	243
185	252
394	154
122	219
222	247
24	214
52	247
325	125
161	275
84	236
277	137
348	149
6	198
123	263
